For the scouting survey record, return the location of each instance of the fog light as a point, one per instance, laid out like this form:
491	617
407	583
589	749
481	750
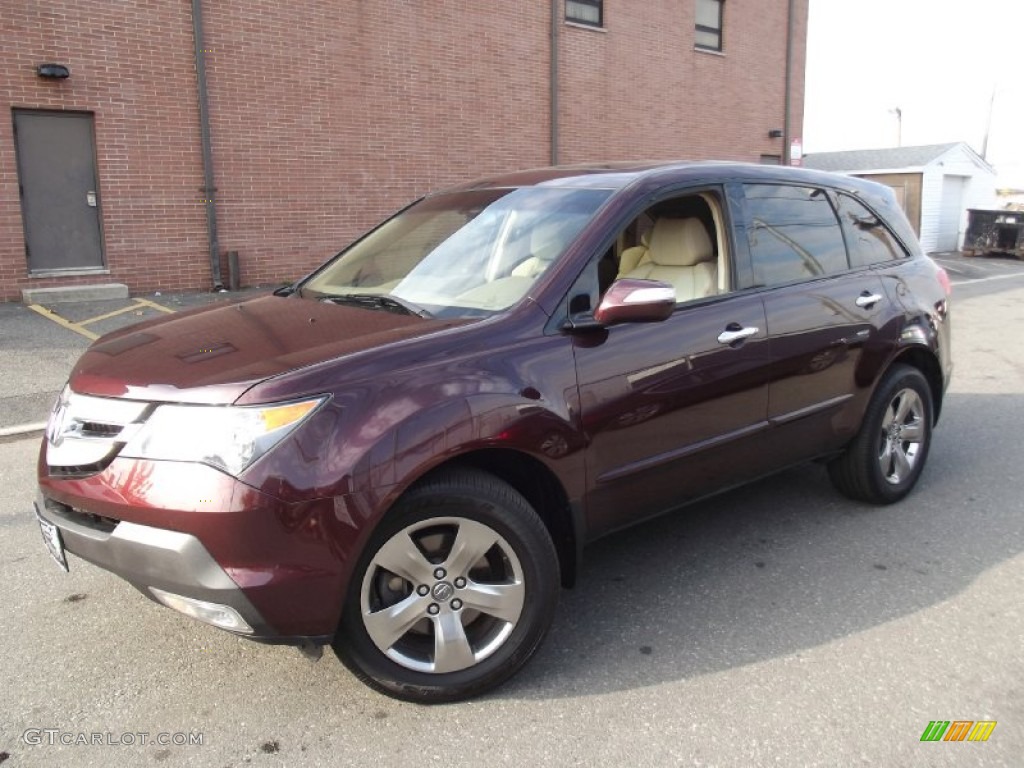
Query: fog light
223	616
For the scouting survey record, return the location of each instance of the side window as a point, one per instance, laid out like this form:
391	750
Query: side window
793	234
869	239
679	241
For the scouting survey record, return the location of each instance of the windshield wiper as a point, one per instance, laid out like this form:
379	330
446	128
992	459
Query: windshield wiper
385	301
286	290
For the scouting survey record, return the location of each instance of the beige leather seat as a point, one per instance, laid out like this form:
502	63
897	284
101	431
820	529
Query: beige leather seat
547	241
632	258
680	253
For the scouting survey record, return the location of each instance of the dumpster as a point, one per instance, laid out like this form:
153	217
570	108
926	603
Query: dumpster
994	232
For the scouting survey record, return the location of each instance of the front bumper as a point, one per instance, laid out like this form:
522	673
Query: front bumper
195	532
152	558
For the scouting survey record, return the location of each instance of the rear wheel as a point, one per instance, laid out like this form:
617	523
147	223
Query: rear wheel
454	593
884	461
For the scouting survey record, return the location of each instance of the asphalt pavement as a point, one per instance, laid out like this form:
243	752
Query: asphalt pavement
776	625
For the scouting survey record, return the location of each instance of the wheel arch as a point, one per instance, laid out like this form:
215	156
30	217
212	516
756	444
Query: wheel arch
539	485
925	361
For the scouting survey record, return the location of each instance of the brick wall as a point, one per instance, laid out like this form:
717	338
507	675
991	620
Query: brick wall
132	66
327	114
641	90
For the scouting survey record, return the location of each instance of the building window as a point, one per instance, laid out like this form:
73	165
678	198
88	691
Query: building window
588	12
709	24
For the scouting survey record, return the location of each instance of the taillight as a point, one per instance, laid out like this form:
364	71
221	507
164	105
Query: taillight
944	281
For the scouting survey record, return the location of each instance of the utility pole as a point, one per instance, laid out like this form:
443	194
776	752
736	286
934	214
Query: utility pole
988	126
899	125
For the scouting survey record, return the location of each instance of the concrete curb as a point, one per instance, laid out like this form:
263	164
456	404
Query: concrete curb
22	429
72	293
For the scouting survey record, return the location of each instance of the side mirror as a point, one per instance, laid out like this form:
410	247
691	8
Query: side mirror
636	301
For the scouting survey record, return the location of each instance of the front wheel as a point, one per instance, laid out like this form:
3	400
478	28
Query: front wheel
454	593
884	461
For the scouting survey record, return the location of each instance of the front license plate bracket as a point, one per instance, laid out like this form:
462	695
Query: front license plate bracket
53	541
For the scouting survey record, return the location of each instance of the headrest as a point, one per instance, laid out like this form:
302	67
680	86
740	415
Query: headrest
548	239
680	243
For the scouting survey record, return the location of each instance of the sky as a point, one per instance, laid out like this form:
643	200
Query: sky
938	62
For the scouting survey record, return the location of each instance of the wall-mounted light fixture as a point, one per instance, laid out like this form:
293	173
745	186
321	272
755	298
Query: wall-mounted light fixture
775	133
53	71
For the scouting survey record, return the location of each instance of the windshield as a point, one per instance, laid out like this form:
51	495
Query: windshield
461	254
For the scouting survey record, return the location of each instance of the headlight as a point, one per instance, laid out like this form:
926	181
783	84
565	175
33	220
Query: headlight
228	437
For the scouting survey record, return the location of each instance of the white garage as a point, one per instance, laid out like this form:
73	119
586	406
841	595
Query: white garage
935	184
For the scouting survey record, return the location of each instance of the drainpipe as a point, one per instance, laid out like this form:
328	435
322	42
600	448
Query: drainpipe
209	190
787	127
553	80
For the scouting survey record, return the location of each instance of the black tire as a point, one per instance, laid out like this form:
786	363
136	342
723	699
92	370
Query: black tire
435	522
880	466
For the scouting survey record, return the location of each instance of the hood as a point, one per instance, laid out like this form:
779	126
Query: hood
214	354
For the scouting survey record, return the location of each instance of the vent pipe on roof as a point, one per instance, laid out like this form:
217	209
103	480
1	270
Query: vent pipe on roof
209	190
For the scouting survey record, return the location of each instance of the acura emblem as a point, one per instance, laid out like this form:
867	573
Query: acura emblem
443	591
55	431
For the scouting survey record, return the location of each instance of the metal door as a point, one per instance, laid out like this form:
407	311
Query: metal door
951	212
59	196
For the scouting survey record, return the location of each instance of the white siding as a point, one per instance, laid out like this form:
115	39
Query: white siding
931	205
974	186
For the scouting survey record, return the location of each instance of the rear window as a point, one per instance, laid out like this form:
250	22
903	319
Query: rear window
793	234
869	240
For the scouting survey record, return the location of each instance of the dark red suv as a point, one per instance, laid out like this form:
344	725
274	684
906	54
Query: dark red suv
404	453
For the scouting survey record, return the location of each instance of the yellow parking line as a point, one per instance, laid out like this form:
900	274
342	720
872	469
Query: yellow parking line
51	315
115	313
154	305
80	328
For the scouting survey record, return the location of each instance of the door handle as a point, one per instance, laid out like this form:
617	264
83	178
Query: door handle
867	300
738	334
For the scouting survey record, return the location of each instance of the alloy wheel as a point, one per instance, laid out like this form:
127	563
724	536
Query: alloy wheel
901	436
442	595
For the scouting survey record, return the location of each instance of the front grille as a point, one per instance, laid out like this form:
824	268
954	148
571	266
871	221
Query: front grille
87	519
99	522
85	433
73	471
97	429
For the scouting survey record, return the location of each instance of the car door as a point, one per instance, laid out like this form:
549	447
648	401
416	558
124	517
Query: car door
672	410
820	333
824	320
669	410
